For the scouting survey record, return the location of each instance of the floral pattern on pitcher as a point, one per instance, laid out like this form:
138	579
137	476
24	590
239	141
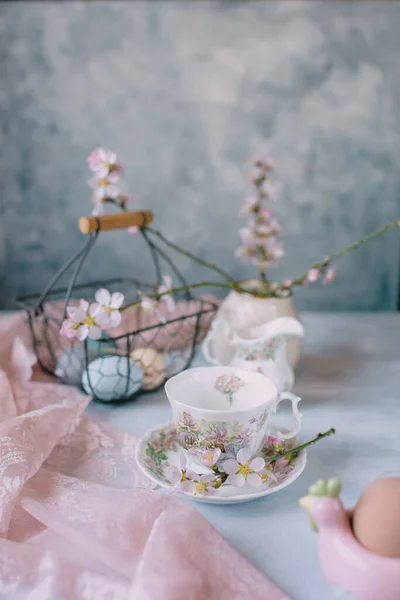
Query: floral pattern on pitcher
264	351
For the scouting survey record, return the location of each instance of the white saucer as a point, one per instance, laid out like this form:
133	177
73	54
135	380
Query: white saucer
158	449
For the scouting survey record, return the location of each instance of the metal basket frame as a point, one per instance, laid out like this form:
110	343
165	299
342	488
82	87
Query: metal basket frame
40	323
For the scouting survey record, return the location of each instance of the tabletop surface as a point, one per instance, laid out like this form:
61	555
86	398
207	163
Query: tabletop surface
348	377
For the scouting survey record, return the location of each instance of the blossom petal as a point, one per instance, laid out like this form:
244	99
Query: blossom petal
191	474
174	475
238	480
71	311
102	153
100	193
112	191
243	456
82	332
98	209
93	182
116	300
115	319
212	491
257	464
183	460
187	486
94	332
208	477
111	157
167	279
84	305
254	480
103	296
103	320
169	302
114	176
95	309
230	466
67	329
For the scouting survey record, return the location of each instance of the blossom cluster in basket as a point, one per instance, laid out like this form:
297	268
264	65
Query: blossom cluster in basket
88	320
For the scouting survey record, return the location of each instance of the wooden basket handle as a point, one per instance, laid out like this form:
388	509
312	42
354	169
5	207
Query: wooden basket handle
115	221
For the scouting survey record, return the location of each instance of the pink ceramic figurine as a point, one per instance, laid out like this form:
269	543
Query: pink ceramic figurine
354	572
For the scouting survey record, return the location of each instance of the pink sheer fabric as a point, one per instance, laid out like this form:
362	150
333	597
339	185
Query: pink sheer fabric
78	521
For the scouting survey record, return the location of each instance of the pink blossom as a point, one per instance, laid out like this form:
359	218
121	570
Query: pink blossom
163	289
133	230
288	283
186	480
109	305
98	209
243	470
265	213
210	457
104	162
104	187
151	304
84	321
269	189
249	204
205	485
275	443
330	275
312	275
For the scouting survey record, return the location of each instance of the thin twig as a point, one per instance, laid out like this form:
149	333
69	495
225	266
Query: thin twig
354	246
193	257
319	437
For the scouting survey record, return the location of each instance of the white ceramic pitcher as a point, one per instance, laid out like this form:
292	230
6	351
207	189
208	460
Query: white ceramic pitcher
260	348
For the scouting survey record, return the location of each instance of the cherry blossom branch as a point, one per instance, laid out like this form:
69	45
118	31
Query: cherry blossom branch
324	264
193	257
319	437
187	288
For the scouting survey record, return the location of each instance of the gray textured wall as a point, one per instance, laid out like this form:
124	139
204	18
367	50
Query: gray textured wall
186	92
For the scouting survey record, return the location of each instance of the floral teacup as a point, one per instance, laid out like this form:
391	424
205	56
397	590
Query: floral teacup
225	408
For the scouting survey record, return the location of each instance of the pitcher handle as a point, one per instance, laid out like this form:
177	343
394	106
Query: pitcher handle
297	415
206	348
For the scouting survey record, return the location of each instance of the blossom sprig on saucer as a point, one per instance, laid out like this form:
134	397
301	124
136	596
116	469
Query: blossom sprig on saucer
238	471
186	480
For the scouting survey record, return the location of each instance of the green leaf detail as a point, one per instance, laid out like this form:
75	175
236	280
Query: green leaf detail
150	450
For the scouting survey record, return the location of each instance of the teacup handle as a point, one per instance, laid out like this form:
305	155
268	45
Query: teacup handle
297	415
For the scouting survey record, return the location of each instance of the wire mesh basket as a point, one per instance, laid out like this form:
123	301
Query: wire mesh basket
144	350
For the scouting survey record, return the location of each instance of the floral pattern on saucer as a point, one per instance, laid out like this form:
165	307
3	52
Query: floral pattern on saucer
159	450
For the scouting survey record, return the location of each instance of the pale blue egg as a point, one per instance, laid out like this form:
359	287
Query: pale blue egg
71	365
111	378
